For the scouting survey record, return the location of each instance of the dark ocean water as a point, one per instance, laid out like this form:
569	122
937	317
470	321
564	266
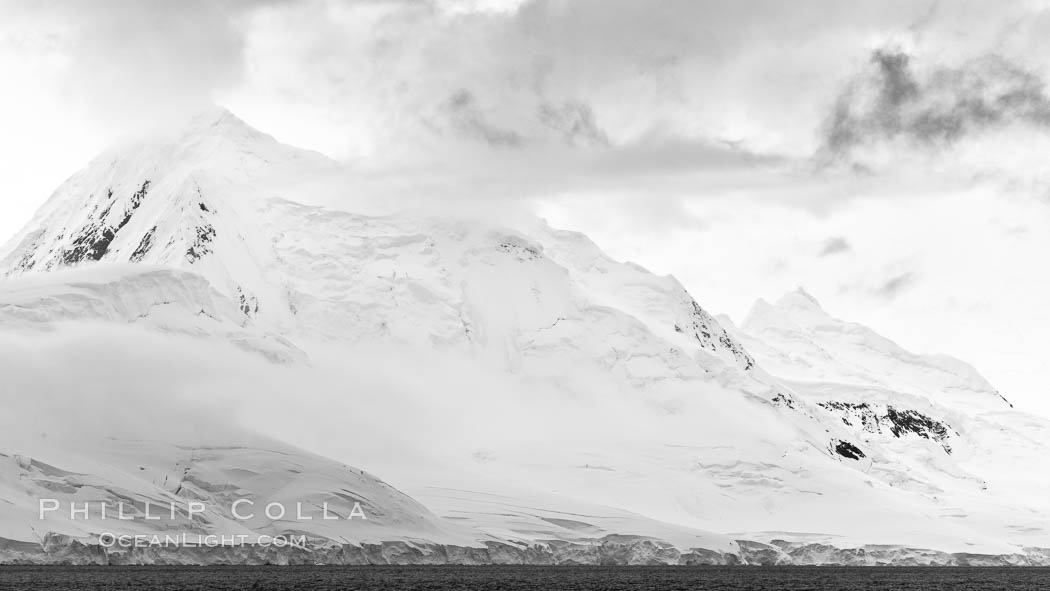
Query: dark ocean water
520	578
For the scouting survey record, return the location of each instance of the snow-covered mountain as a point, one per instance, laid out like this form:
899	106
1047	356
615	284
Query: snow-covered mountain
547	403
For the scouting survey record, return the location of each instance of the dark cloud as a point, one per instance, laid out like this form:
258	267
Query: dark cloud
467	118
835	245
936	107
571	121
574	121
892	287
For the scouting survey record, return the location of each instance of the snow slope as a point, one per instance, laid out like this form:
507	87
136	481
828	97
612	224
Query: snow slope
537	391
801	342
161	298
940	428
134	472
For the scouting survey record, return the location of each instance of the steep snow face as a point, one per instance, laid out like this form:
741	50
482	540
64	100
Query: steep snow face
801	342
165	203
160	298
931	423
207	202
512	297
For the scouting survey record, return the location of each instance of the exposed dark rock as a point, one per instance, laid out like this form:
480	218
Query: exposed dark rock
96	236
712	337
144	245
782	399
905	421
519	247
848	450
200	247
898	422
247	303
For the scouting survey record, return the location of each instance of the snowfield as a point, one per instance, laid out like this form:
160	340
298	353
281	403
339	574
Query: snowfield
179	324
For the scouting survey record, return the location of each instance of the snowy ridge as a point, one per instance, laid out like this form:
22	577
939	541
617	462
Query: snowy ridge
853	354
160	298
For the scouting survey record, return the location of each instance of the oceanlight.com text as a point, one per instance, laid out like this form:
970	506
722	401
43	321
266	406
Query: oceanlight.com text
112	540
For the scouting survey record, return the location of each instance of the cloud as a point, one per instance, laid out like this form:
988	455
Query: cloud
587	73
575	121
375	77
467	118
521	99
554	97
935	108
114	381
893	286
354	404
435	83
127	64
836	245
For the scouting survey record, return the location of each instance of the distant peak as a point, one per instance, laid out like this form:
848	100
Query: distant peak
797	308
214	115
799	298
219	121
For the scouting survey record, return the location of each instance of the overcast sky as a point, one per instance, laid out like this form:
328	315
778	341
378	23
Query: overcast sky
888	156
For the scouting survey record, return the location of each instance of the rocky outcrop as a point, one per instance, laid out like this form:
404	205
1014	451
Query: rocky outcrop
899	422
93	240
711	336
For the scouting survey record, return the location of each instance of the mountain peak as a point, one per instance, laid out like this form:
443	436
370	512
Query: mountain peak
217	121
799	299
795	308
215	114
